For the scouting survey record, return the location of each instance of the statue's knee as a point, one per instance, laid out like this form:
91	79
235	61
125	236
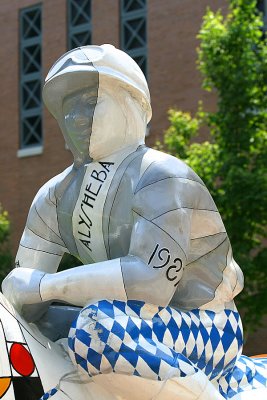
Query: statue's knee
88	339
87	332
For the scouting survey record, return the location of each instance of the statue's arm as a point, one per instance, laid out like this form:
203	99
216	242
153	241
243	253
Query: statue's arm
150	272
40	250
41	246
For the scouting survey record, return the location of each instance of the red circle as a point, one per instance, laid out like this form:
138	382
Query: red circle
21	359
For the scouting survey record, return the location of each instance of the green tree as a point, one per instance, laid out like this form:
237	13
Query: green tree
5	253
232	58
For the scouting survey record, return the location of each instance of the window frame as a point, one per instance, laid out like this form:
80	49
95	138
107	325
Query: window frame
78	29
31	77
126	16
264	14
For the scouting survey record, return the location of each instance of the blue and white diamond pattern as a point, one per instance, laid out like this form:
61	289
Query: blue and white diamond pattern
115	341
49	394
247	374
160	343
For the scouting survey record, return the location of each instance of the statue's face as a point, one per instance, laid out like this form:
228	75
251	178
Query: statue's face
78	112
109	124
94	123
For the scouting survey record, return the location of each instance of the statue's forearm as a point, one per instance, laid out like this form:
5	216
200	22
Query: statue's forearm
78	285
126	278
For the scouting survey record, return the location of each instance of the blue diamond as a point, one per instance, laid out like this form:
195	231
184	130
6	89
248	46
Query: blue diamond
107	308
173	328
81	361
214	337
132	329
152	361
135	306
111	355
118	330
120	305
129	354
146	330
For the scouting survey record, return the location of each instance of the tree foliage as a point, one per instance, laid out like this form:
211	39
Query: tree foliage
5	253
232	58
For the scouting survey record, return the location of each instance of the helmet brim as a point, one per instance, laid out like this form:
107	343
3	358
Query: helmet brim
71	80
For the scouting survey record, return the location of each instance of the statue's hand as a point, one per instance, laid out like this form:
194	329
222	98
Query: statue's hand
21	286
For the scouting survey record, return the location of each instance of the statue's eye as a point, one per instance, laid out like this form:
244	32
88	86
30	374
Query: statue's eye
81	120
87	99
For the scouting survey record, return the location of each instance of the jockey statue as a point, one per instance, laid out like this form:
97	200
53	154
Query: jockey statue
157	277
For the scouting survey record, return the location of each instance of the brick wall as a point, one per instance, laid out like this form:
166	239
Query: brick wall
21	177
172	75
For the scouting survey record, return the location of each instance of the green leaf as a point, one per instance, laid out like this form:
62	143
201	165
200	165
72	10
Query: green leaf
232	58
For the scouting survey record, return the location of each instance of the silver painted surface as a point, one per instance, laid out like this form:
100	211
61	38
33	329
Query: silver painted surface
82	284
67	195
141	221
118	215
56	322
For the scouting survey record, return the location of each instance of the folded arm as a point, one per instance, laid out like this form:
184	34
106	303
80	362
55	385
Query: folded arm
150	272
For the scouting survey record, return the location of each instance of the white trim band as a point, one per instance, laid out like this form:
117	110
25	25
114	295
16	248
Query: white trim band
31	151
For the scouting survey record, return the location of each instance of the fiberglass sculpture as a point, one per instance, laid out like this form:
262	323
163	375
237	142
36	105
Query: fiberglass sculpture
155	290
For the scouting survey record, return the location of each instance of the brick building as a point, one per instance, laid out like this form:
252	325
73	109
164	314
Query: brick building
160	35
33	34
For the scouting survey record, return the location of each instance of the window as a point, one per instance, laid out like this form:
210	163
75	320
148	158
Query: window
262	7
134	31
31	134
79	23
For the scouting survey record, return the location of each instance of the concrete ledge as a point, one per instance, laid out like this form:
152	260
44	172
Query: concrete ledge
29	152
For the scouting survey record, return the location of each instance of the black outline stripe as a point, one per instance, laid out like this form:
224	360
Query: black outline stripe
186	208
40	287
140	178
89	161
162	231
116	192
10	365
178	208
222	271
203	237
49	241
20	325
24	343
192	262
97	97
44	221
73	239
234	262
171	177
20	374
10	381
42	251
59	226
123	280
59	389
49	197
214	293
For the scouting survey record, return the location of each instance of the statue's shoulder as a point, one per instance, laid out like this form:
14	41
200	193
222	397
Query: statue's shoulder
42	217
47	195
158	166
